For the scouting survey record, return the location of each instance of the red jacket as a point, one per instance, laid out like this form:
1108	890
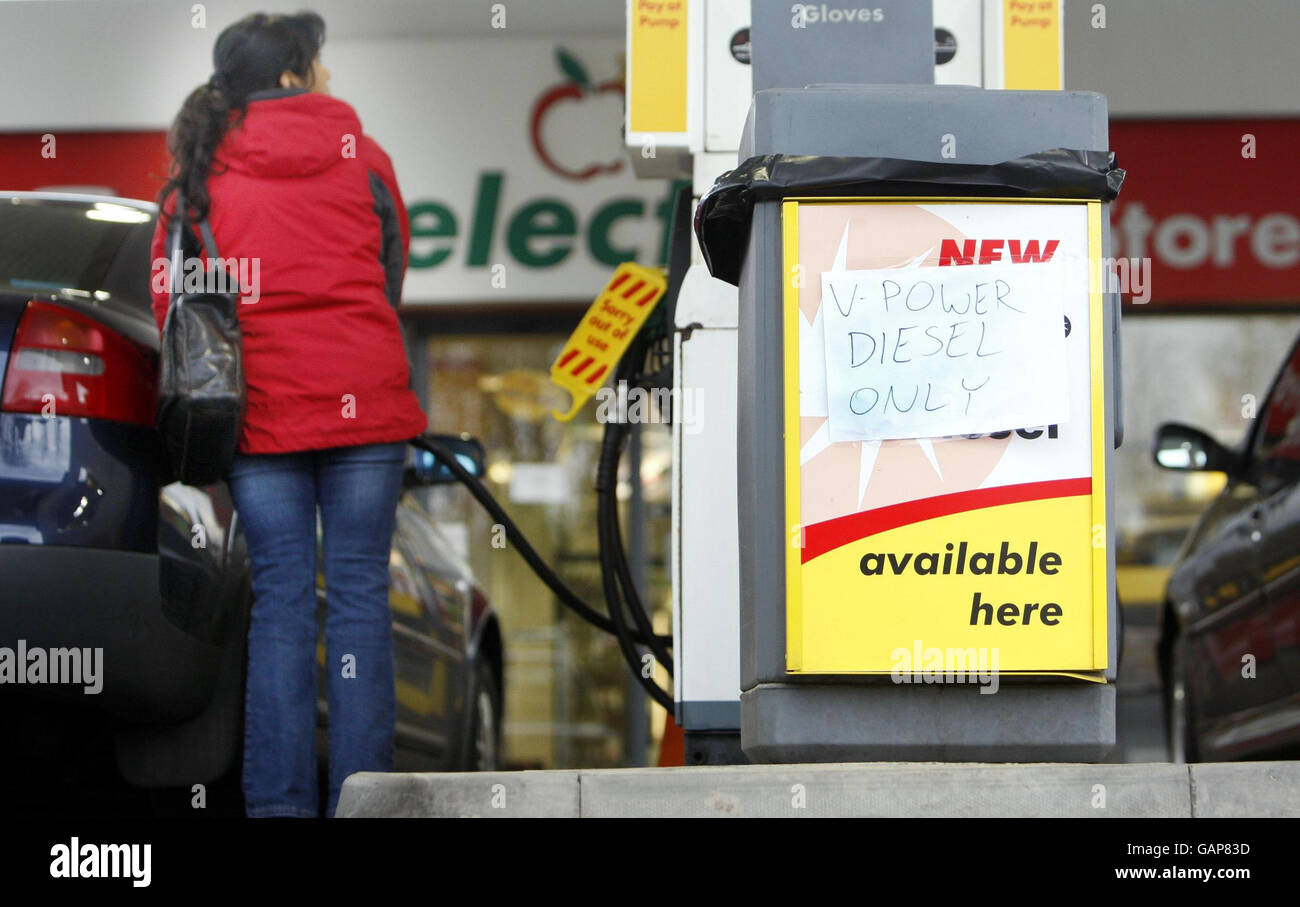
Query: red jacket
309	205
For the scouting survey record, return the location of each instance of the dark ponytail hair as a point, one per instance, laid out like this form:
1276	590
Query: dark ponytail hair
249	56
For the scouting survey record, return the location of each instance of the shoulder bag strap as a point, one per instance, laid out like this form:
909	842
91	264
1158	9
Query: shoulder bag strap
176	250
175	245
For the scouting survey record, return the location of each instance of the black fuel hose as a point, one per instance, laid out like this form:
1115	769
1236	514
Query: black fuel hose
613	554
526	550
607	517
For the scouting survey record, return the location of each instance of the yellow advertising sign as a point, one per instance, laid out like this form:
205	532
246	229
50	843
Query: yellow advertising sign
1032	34
656	91
979	540
605	332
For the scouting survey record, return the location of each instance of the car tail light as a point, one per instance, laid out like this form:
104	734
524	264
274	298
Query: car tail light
65	363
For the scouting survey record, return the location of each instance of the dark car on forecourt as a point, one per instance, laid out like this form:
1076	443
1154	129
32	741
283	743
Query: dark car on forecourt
100	548
1230	637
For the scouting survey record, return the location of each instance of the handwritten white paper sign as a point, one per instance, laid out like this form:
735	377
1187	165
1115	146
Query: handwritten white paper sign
932	351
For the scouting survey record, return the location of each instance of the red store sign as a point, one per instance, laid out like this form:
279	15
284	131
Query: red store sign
1214	204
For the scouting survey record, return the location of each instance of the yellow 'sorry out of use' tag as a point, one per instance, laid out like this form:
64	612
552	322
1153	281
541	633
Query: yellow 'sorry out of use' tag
605	332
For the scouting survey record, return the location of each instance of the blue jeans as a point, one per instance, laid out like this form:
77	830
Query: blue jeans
276	495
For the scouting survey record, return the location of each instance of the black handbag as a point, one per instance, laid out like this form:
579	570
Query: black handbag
201	394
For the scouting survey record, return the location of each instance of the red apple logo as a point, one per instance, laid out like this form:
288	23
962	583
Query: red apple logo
577	87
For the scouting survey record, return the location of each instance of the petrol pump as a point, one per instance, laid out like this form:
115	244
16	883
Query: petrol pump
890	520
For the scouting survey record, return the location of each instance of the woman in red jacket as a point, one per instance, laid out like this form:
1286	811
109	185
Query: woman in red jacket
308	207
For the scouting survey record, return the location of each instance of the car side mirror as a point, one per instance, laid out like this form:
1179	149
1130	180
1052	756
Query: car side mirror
426	469
1186	448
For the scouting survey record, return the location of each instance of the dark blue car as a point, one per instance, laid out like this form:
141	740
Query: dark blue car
101	552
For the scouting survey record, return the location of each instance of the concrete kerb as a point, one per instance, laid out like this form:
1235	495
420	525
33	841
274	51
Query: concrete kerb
863	790
883	790
889	790
506	795
1257	789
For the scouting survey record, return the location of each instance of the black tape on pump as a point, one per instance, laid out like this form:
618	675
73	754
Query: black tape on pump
722	220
